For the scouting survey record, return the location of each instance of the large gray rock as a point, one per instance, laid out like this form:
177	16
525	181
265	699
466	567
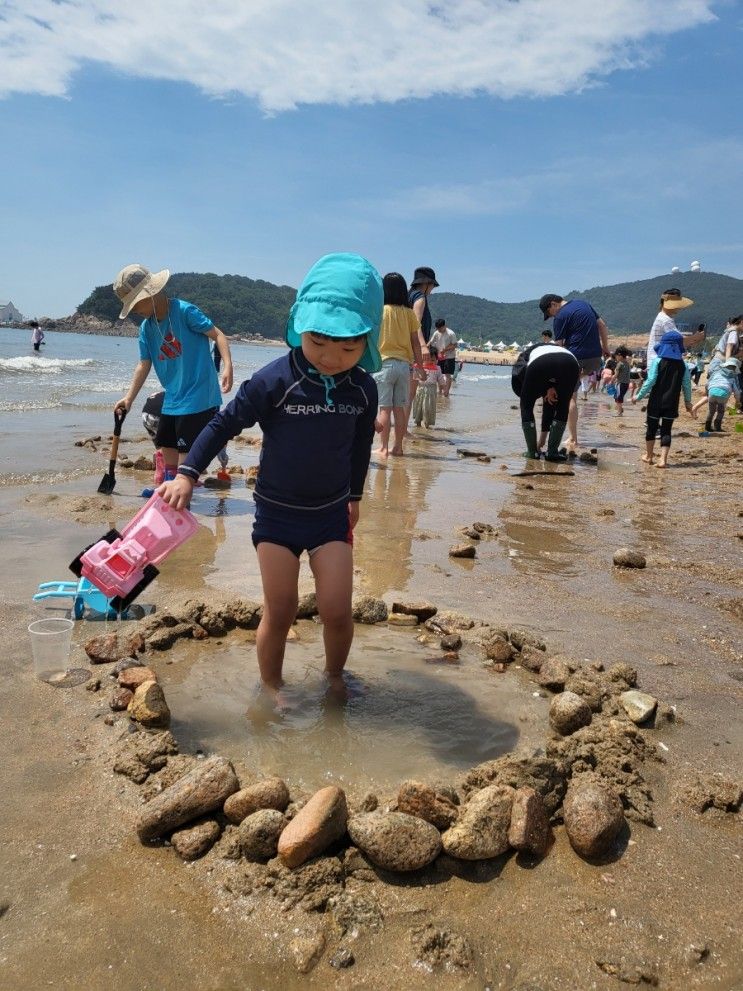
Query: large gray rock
319	823
395	841
259	834
195	794
421	610
593	818
482	829
639	706
568	712
529	830
271	793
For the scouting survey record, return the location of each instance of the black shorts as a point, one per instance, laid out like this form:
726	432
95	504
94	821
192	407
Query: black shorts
447	366
621	391
301	529
180	431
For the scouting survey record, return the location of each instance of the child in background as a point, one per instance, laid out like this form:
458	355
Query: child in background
722	383
621	378
667	376
316	407
424	403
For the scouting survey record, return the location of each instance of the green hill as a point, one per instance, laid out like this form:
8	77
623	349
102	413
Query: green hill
627	308
236	304
247	306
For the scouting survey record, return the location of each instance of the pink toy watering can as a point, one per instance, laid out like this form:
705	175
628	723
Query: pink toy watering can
123	564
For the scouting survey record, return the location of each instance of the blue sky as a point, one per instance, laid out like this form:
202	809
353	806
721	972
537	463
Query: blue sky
517	147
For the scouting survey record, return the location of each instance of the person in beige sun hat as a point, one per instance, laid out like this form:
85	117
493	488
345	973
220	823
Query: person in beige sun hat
136	283
672	301
174	341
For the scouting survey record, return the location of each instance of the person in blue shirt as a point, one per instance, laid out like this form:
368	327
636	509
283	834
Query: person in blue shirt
579	328
317	407
174	339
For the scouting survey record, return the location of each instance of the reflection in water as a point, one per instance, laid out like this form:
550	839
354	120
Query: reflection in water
544	529
403	718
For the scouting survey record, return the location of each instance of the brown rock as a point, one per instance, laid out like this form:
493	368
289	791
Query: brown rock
197	793
421	610
469	531
306	951
194	841
546	775
368	610
120	699
418	799
271	793
481	831
626	558
593	818
395	841
463	550
259	833
143	463
568	712
531	658
251	475
148	706
110	647
499	650
321	822
140	754
525	638
401	619
452	641
307	607
133	677
553	674
165	637
529	830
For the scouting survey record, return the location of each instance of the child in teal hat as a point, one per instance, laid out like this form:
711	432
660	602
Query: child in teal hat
316	407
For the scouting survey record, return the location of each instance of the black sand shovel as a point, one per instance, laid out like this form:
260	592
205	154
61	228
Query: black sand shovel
108	481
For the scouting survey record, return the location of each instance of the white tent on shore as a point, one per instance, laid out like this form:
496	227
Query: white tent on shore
488	346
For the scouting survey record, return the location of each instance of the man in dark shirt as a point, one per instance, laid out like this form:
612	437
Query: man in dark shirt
579	328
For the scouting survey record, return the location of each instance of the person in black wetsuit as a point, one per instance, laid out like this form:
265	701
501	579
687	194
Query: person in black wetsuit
550	373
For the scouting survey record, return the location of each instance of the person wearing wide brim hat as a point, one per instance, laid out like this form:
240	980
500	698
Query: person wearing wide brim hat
668	375
672	301
174	342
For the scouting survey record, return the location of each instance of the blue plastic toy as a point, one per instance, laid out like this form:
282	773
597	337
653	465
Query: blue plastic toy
83	594
611	390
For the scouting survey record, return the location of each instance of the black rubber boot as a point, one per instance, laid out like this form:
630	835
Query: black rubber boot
708	424
553	442
530	435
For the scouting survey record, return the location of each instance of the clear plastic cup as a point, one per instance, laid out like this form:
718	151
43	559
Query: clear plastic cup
50	643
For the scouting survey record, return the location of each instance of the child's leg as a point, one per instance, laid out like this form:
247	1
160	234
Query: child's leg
332	566
665	442
400	424
651	429
719	413
279	575
698	404
384	434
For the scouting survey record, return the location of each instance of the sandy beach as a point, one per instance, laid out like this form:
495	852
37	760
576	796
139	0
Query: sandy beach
85	905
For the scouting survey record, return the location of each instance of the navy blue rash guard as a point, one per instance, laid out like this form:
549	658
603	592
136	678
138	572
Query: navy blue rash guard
317	432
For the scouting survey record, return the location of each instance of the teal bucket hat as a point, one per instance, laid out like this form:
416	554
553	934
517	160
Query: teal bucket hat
341	296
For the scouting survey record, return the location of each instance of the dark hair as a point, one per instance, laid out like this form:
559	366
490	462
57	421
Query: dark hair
546	333
395	290
440	323
736	320
434	352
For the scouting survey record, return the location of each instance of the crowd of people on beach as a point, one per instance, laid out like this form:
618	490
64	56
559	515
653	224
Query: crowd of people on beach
364	357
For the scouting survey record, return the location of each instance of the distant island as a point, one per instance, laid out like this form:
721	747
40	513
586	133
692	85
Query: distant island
257	310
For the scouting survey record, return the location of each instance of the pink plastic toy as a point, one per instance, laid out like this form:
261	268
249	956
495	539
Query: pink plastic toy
122	564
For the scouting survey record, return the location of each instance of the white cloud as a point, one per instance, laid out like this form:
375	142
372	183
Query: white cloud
282	53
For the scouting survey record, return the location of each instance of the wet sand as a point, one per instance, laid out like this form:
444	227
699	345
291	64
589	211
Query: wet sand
121	913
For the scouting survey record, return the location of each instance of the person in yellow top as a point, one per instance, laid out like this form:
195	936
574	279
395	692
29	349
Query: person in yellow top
400	347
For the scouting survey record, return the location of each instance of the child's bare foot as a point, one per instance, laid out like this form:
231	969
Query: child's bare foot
647	458
381	452
661	464
397	452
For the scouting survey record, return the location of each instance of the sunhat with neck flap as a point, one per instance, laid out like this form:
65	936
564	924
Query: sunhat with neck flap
341	296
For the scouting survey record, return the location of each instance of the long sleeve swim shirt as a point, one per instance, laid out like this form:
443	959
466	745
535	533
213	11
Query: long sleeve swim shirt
317	432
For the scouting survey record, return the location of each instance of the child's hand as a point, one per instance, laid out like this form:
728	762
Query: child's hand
694	413
550	396
690	410
633	400
377	427
353	514
178	492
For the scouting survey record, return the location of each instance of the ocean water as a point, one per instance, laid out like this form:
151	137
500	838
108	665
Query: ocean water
67	391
